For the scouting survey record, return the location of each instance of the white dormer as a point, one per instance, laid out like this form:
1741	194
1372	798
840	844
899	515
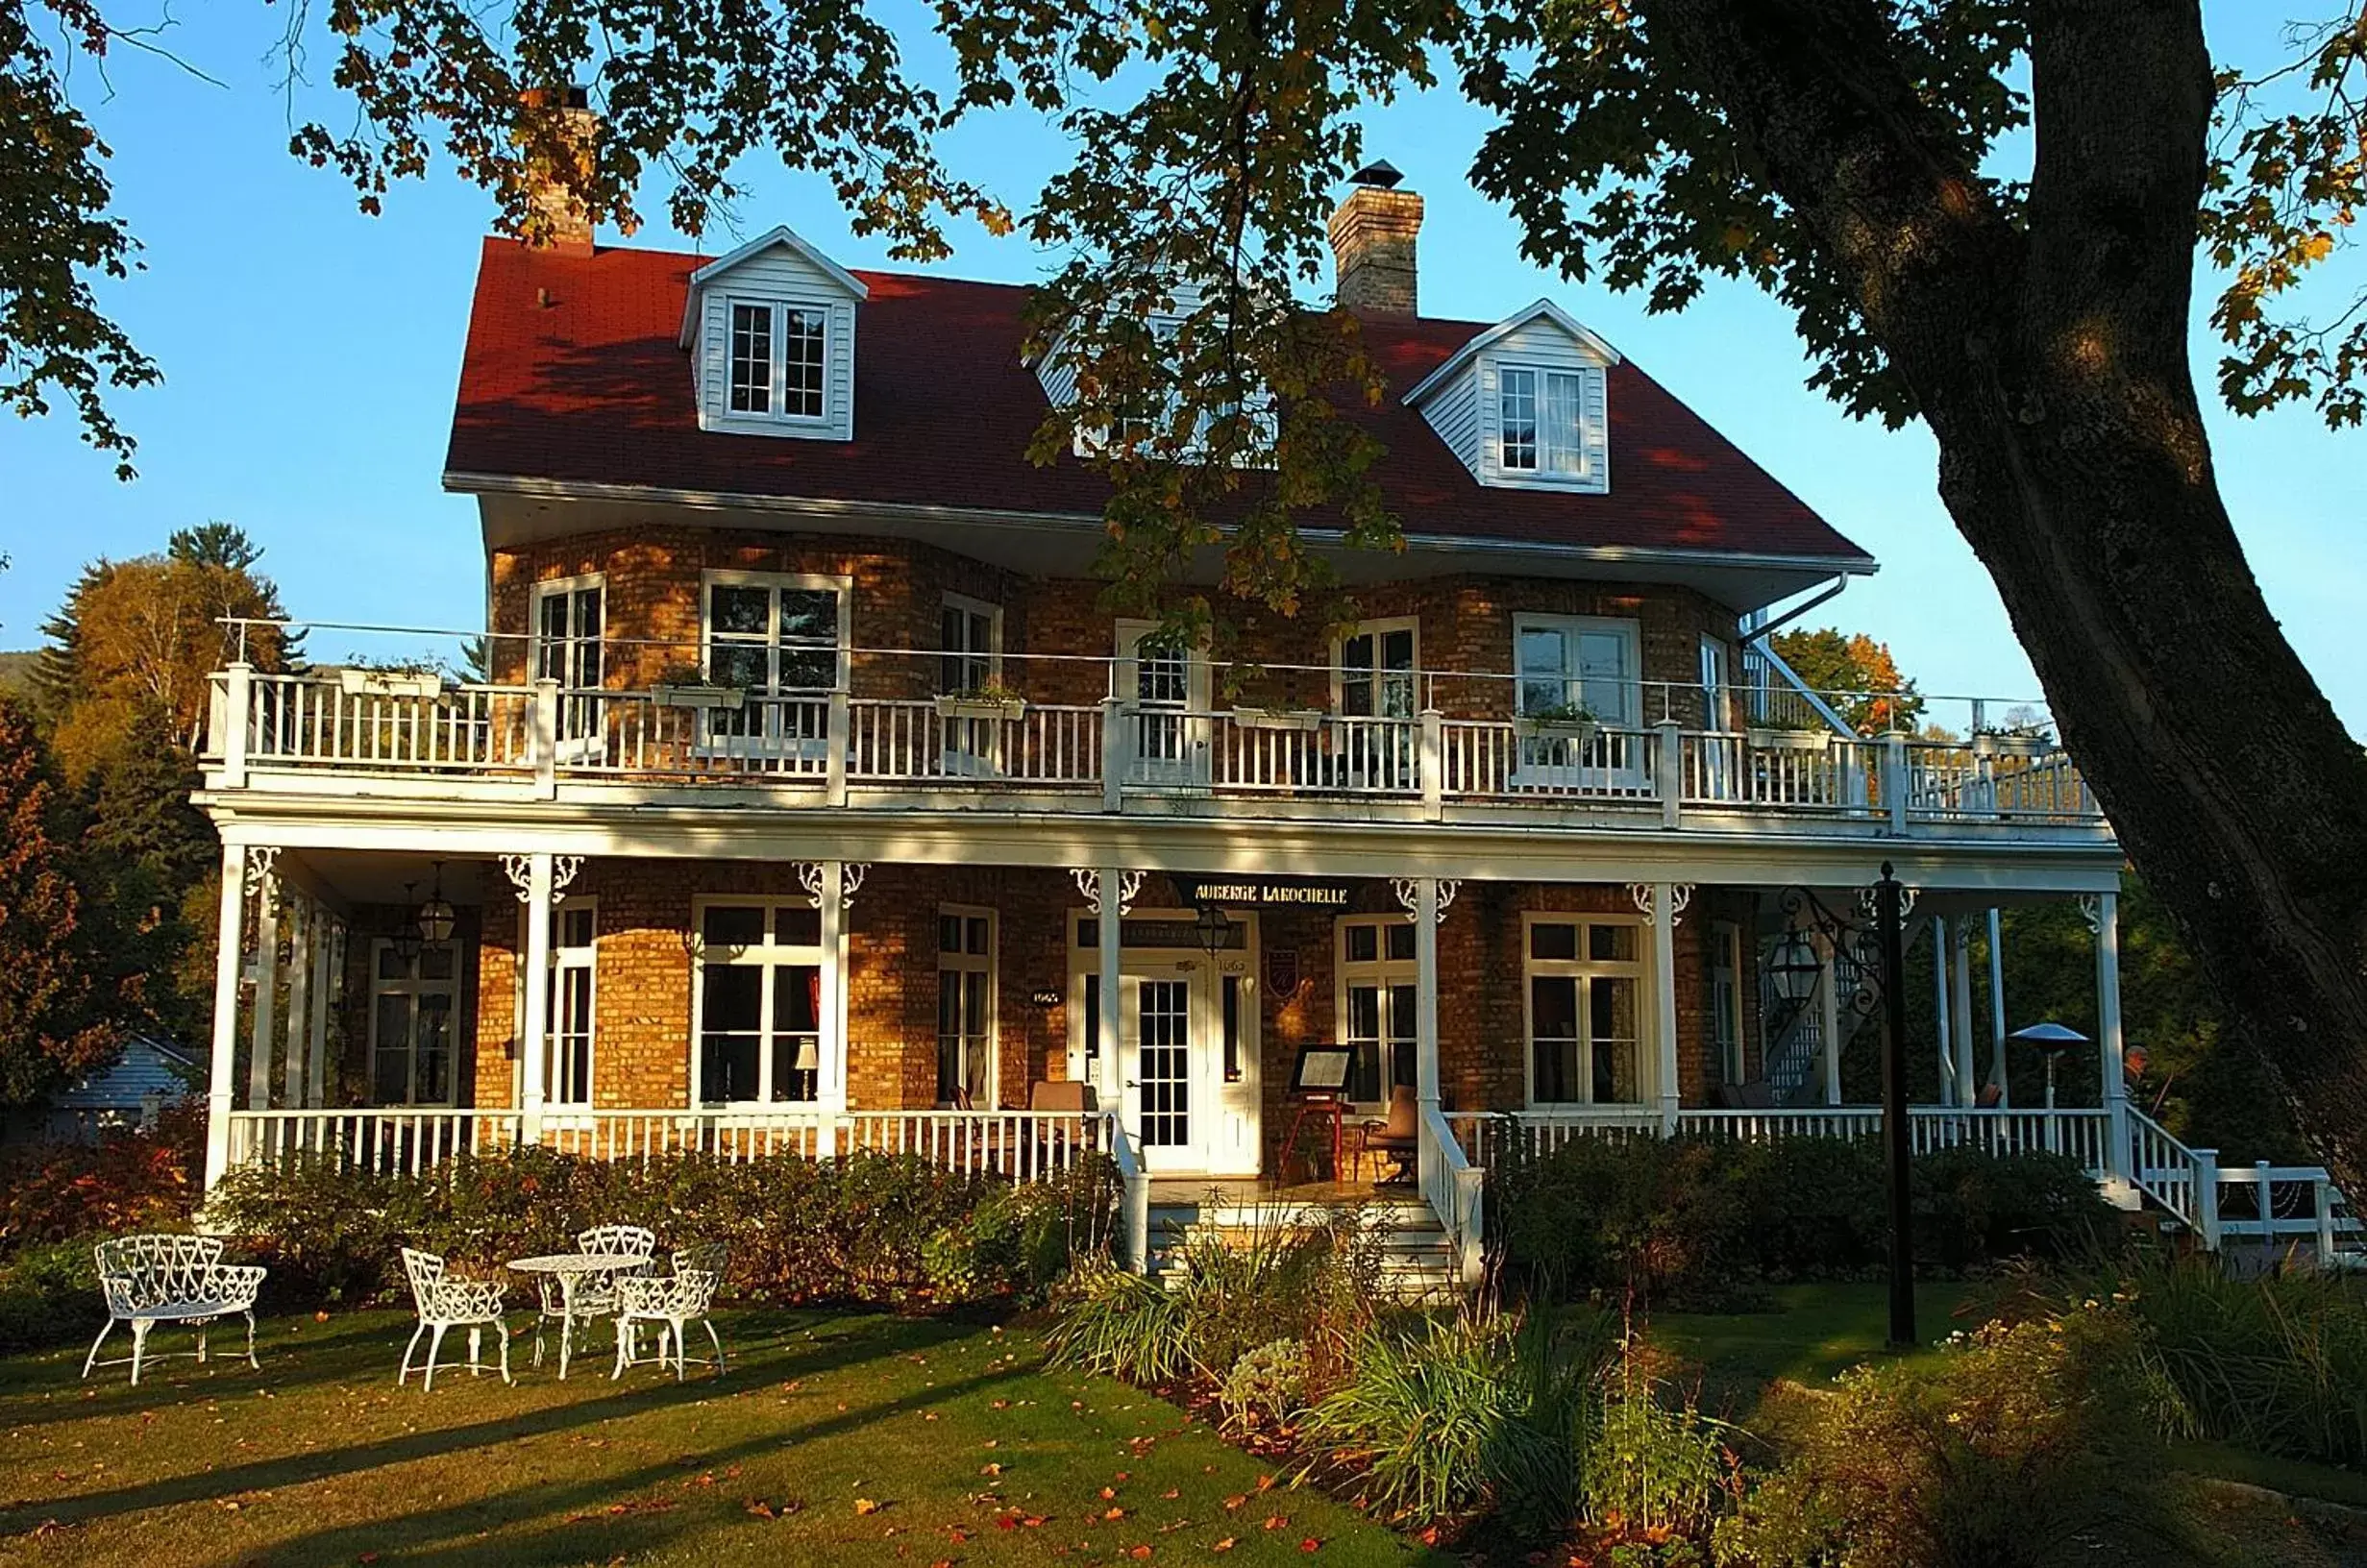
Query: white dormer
1056	370
771	331
1524	404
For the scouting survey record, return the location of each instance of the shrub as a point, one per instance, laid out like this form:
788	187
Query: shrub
1700	1223
797	1230
1021	1239
2010	1451
49	1294
1267	1387
2278	1364
1487	1409
1121	1325
126	1181
1657	1469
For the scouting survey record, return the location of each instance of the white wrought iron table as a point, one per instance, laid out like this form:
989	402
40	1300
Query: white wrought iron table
572	1270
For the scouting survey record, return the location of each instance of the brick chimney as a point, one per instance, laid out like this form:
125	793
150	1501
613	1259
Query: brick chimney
567	228
1373	237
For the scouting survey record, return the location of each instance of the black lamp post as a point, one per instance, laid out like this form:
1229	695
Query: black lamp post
1889	920
1794	968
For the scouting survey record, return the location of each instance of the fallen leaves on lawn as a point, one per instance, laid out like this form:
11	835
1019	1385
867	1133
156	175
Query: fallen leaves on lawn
620	1511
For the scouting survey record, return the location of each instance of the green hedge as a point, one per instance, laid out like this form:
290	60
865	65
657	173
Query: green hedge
878	1229
1700	1222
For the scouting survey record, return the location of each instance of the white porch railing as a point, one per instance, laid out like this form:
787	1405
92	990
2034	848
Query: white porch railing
819	746
2082	1134
1020	1145
1457	1193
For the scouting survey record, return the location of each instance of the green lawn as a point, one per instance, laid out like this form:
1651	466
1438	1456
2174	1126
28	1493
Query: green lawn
1815	1332
835	1438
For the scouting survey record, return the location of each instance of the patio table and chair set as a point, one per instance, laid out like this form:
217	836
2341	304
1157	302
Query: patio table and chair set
148	1280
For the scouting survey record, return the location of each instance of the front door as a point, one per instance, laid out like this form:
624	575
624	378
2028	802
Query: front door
1163	1018
1184	1081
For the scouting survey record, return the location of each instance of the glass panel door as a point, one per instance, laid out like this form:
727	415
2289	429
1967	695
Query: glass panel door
413	1004
567	1074
1168	689
972	650
569	624
1163	1032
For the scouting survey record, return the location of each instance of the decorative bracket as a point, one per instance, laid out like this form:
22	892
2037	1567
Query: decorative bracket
520	869
2091	910
1869	902
850	875
263	877
1129	887
1679	898
1409	894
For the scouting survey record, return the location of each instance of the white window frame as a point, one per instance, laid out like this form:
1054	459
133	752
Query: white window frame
1583	968
1377	631
1573	681
767	956
1191	740
772	738
582	735
989	965
1380	971
415	986
777	360
1545	470
1717	683
566	957
1726	965
993	616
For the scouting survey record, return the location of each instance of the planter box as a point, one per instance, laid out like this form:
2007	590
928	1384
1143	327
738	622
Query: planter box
989	709
390	683
1298	719
1789	739
2013	746
1582	731
708	698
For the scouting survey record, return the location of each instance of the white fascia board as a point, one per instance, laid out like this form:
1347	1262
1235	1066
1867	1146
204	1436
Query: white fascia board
1578	332
779	234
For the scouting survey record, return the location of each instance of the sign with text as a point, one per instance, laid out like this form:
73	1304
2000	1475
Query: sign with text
1265	892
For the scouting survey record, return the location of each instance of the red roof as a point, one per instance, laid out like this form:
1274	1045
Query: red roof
574	372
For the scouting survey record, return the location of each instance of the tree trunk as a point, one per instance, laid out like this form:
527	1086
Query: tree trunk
2051	361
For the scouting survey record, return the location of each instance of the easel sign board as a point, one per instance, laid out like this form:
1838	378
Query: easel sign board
1323	1069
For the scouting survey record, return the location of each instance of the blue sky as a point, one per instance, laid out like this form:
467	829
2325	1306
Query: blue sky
310	356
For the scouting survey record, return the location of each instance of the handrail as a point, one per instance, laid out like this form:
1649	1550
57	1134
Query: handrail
1134	1182
1759	653
1456	1192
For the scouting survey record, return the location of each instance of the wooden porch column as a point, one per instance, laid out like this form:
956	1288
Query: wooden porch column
304	915
1997	1011
1940	1010
1665	1000
228	960
1960	1002
259	1024
1110	934
2111	1048
830	1083
1426	1024
534	1029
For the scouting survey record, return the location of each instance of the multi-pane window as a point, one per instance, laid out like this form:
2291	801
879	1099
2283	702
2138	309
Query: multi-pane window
759	1002
1726	998
567	1078
1585	982
1567	662
1376	672
964	1007
782	641
413	998
569	629
1540	422
1377	1005
970	638
752	358
779	357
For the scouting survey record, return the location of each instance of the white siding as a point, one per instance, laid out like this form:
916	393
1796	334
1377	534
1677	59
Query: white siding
778	273
1467	413
1454	413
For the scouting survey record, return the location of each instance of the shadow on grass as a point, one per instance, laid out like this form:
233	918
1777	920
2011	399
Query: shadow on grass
756	1360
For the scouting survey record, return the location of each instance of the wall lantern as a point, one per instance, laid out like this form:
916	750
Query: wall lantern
437	916
1216	931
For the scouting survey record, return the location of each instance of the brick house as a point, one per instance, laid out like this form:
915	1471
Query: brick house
812	799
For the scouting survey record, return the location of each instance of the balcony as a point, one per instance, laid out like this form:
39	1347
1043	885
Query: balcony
1773	758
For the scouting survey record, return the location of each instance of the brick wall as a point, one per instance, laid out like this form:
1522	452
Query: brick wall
652	584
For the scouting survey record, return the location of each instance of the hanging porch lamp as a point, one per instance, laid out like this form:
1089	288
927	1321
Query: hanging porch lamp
408	938
437	916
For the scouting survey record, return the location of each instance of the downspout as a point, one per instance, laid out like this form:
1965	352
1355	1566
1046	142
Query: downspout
1750	634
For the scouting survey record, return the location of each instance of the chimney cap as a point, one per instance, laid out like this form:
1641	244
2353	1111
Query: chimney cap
1379	175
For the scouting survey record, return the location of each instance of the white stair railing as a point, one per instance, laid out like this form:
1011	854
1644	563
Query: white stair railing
1134	1183
1456	1192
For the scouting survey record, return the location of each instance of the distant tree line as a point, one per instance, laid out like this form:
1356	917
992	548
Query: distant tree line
108	874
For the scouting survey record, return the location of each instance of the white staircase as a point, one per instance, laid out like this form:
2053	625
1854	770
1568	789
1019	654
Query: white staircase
1417	1260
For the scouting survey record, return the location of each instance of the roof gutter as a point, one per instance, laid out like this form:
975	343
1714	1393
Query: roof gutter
1751	634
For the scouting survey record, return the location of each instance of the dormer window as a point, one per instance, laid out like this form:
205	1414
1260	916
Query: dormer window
771	332
1540	430
780	353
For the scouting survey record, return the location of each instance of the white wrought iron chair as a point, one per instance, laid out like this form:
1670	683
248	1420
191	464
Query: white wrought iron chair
149	1280
673	1303
446	1303
593	1297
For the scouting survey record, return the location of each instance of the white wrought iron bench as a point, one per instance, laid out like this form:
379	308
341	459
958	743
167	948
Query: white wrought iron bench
149	1280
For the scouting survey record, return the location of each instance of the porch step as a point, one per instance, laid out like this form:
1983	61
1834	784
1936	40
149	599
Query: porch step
1415	1260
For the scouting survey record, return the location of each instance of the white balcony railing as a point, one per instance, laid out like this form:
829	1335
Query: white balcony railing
1118	754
